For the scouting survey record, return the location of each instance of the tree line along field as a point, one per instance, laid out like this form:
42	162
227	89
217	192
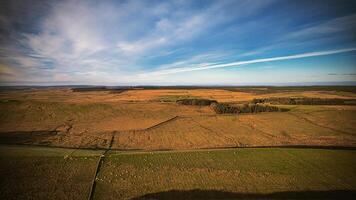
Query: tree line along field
142	143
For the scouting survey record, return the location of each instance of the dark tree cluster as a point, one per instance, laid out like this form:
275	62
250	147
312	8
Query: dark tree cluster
255	108
196	102
224	108
305	101
220	108
89	89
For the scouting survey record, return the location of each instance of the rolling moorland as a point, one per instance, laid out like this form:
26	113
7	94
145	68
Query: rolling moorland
177	142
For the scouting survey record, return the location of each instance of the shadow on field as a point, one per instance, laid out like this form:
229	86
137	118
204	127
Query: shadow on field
216	194
24	137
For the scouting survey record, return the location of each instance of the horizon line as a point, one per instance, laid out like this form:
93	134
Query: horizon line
282	84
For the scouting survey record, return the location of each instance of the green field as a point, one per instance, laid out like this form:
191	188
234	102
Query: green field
46	173
248	173
238	172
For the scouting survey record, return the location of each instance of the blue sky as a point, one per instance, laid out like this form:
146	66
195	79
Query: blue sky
147	42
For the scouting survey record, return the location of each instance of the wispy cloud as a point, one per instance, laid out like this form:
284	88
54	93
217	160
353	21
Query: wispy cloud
340	24
348	74
124	42
235	64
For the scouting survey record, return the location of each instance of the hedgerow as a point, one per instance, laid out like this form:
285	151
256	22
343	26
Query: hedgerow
220	108
196	102
305	101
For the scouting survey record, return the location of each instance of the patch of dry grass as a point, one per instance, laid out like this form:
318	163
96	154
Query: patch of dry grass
93	117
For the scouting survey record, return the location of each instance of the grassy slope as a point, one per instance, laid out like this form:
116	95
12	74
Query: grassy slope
93	122
51	173
260	171
45	173
30	114
341	118
303	125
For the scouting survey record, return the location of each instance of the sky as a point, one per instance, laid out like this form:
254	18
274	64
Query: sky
149	42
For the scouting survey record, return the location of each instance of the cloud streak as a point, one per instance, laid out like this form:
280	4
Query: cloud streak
140	42
239	63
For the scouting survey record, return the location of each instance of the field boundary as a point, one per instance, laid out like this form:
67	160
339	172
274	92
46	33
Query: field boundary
97	169
150	127
161	123
333	147
91	191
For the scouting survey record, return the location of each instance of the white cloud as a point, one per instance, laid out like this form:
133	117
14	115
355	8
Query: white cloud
7	71
183	25
333	26
71	40
111	42
234	64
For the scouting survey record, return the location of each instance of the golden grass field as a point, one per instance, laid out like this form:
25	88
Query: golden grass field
60	117
141	144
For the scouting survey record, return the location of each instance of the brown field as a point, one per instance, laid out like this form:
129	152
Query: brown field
221	95
151	120
123	131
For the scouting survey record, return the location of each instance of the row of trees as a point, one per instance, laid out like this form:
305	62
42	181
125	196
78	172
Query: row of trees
196	102
306	101
220	108
224	108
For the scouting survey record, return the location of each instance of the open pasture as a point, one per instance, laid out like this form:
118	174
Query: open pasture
159	149
228	174
231	94
248	173
88	120
46	173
